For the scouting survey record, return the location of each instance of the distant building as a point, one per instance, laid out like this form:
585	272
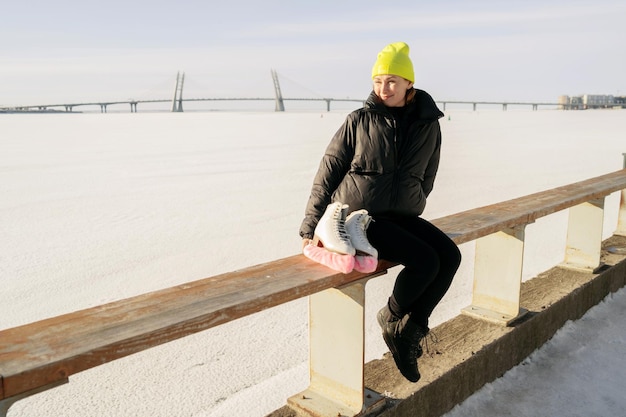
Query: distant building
620	101
591	101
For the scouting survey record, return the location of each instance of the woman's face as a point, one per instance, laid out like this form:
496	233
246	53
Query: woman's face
391	89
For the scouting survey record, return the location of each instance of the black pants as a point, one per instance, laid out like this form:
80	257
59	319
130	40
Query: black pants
430	260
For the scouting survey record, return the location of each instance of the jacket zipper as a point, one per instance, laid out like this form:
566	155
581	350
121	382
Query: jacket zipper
394	185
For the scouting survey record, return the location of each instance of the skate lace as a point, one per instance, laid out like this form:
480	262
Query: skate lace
340	225
363	221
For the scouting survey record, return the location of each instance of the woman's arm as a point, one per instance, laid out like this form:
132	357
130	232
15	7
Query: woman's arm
333	167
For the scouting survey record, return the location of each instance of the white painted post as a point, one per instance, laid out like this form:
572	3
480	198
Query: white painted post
336	356
584	236
498	277
621	219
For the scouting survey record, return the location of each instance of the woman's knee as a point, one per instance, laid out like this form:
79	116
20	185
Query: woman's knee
455	254
451	257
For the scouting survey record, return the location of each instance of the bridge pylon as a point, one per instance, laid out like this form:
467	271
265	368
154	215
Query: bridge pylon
280	105
177	101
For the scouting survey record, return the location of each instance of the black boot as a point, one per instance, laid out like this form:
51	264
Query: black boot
403	338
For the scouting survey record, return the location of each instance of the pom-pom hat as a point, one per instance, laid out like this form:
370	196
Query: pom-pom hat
394	60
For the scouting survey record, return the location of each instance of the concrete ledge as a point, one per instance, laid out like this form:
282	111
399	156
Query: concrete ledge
468	353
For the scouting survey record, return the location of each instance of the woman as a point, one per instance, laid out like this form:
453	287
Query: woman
384	159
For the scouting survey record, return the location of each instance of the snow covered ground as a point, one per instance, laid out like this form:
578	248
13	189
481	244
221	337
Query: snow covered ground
579	372
98	207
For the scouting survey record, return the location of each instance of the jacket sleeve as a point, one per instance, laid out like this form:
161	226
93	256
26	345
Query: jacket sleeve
332	169
433	162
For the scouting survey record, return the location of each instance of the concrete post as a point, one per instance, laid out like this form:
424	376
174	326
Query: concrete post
498	277
621	219
336	355
584	235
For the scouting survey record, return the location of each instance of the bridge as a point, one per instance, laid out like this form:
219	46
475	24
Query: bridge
177	101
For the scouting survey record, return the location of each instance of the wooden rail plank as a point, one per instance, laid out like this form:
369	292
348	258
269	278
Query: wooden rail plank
475	223
50	350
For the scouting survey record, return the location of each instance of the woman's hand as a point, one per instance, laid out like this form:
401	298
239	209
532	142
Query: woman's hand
306	242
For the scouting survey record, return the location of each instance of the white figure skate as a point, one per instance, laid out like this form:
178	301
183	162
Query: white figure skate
356	226
366	258
331	230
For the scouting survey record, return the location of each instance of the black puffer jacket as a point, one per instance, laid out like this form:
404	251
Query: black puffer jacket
378	163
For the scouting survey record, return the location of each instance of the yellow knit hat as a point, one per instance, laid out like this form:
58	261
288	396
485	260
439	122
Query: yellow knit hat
394	60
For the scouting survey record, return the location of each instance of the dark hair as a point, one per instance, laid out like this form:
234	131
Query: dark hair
410	95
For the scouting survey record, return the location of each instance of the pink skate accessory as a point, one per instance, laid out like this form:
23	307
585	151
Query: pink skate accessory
335	261
365	263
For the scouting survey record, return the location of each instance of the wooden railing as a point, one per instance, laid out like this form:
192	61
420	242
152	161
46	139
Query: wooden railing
44	354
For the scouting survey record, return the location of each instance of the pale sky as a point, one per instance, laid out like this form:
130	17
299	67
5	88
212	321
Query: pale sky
70	51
